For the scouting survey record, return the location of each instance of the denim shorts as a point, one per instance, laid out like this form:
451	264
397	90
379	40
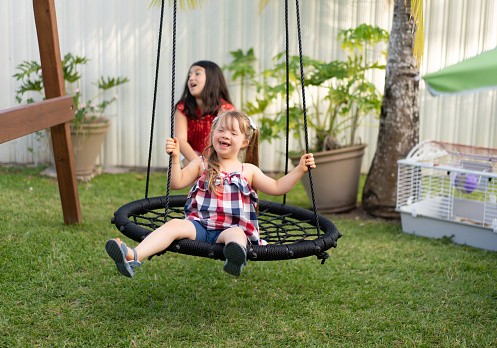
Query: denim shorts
205	235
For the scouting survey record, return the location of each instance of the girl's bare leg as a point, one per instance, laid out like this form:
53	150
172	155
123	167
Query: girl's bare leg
235	250
233	234
162	237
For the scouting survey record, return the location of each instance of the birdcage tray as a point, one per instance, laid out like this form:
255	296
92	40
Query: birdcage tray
460	230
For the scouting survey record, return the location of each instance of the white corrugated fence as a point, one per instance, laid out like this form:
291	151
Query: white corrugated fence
120	38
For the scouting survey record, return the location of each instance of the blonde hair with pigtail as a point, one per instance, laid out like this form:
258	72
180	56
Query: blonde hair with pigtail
250	154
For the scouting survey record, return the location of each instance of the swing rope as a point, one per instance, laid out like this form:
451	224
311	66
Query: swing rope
287	229
305	115
173	74
173	77
173	70
154	103
287	86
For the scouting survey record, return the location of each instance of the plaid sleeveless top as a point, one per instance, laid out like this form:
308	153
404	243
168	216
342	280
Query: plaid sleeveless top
233	204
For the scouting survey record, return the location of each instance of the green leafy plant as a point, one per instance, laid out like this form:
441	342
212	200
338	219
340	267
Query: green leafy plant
341	96
242	67
30	75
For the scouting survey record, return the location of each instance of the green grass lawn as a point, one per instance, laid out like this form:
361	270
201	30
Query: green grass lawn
379	288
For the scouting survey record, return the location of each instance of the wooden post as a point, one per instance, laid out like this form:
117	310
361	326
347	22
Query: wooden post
53	80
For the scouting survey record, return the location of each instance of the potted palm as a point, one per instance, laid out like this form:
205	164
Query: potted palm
340	97
90	125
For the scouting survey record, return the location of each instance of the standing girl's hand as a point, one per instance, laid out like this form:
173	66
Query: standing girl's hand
172	147
306	161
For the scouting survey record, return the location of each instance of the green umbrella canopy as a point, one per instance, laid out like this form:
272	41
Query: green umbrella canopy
471	75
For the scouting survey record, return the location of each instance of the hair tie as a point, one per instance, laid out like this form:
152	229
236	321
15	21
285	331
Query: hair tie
252	124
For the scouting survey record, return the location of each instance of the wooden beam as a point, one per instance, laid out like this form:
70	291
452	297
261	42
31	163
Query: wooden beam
53	81
48	43
26	119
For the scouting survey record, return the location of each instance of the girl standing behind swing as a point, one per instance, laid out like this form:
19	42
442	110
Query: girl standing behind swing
221	206
204	97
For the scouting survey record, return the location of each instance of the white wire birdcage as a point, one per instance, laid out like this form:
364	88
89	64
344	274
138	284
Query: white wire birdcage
449	182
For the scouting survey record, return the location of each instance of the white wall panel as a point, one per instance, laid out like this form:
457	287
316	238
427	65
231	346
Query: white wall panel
454	31
120	38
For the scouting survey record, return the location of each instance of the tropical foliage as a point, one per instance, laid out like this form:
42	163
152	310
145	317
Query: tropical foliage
30	75
242	67
183	4
341	96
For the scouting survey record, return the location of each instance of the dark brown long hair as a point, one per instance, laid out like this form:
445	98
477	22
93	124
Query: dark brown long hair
248	155
214	93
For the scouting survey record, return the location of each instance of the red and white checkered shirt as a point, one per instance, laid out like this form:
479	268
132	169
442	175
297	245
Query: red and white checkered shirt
232	205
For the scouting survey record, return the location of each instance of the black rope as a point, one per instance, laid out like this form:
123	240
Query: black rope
287	93
173	72
275	228
173	59
290	231
305	114
287	228
155	99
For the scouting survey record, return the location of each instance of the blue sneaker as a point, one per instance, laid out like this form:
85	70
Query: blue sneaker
236	258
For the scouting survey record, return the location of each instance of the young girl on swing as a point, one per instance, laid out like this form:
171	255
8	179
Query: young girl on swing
221	205
204	97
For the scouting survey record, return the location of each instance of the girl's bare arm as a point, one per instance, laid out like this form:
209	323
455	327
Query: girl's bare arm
181	132
181	178
267	185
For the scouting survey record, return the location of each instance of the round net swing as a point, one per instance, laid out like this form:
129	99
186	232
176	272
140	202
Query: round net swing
290	232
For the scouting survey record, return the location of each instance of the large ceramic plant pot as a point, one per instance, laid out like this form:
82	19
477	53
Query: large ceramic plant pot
335	178
87	140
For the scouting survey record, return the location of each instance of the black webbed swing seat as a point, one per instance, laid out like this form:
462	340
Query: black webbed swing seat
290	232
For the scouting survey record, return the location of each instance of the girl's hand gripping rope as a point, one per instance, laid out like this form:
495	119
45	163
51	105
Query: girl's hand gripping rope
172	148
307	161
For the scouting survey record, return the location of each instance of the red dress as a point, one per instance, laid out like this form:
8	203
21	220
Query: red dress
199	130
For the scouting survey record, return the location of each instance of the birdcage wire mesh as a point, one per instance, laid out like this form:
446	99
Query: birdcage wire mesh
451	182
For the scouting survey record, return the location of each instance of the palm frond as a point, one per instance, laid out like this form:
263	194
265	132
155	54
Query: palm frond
263	4
183	4
417	17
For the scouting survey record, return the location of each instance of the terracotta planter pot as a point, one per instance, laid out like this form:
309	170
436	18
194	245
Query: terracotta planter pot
335	179
87	141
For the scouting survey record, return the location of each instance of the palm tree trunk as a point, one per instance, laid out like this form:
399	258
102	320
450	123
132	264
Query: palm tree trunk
399	118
